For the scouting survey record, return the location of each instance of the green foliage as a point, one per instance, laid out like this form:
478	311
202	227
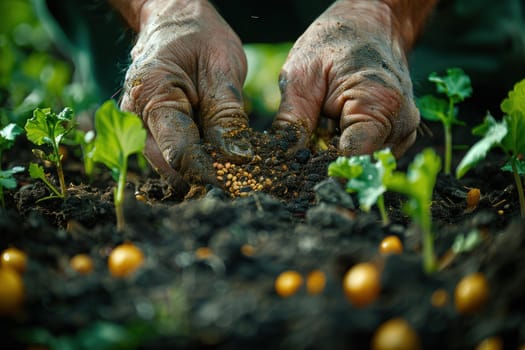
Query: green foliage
507	135
8	134
49	128
101	335
366	178
418	185
456	86
119	135
32	74
37	172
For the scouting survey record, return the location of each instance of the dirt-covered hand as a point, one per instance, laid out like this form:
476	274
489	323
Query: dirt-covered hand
185	81
350	65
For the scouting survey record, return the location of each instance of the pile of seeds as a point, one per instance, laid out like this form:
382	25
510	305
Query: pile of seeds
239	181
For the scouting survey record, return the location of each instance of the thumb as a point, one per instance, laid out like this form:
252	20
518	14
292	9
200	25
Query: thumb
223	119
300	107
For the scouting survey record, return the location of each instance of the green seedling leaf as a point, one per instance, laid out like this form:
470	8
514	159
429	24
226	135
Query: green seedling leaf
418	185
37	172
47	127
465	243
514	107
433	108
456	84
365	177
119	135
494	133
519	166
8	135
6	176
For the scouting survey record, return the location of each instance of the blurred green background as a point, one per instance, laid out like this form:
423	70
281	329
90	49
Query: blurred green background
35	72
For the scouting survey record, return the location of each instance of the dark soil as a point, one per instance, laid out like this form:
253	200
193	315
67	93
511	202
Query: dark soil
297	220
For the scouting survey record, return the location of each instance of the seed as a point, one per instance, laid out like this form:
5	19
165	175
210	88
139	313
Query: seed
203	253
15	259
361	284
391	245
491	343
220	178
439	298
395	334
288	283
471	293
473	197
247	250
125	259
315	282
220	172
81	263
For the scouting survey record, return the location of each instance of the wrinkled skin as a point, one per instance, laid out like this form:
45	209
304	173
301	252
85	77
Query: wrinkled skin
350	66
186	78
188	69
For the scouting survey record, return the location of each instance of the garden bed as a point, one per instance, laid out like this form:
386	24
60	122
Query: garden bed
211	261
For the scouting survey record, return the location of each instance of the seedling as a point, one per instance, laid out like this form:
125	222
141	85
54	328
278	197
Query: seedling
119	135
456	86
366	178
507	135
7	139
86	141
49	128
418	184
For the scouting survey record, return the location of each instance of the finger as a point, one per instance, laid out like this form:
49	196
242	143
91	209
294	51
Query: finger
222	114
302	93
167	114
377	117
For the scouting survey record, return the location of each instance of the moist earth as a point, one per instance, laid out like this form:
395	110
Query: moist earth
283	214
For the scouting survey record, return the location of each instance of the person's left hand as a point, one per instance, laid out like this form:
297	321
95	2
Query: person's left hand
350	66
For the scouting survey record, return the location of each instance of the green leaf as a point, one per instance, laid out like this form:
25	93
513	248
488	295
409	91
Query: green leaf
519	163
432	108
7	179
515	102
46	127
345	167
418	183
456	84
364	176
119	134
8	135
494	133
36	171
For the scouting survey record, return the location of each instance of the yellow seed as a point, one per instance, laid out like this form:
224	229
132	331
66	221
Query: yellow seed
220	172
220	178
203	253
247	250
439	298
315	282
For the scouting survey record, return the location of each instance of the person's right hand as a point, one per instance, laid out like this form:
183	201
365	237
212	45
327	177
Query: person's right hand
185	81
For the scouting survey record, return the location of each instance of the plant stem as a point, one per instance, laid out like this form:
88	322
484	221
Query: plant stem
429	259
519	187
381	206
52	188
60	171
119	197
448	148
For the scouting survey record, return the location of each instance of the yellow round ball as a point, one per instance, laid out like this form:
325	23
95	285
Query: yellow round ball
15	259
81	263
362	284
11	291
395	334
288	283
471	293
125	259
391	245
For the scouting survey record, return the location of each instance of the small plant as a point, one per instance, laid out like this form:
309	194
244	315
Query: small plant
418	184
119	135
366	178
86	141
7	139
49	128
507	135
456	86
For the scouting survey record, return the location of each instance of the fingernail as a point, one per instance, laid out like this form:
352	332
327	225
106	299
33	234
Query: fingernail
238	149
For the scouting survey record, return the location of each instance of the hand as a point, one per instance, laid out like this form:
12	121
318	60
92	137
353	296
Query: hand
186	76
350	65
